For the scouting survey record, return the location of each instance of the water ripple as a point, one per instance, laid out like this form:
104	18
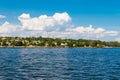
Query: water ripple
59	64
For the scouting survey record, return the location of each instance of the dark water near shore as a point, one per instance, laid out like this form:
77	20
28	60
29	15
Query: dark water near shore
59	64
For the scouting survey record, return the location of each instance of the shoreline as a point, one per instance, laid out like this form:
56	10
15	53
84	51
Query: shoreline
41	42
49	47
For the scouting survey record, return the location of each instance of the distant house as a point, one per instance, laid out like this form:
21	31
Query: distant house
64	45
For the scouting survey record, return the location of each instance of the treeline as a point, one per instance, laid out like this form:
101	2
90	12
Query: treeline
53	42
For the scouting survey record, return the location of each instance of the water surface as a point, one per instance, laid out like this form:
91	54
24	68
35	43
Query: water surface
59	64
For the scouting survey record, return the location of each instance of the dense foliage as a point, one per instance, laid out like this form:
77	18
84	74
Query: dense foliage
53	42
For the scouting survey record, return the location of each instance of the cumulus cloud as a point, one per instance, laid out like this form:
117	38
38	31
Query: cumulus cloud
44	22
57	25
8	28
91	32
2	16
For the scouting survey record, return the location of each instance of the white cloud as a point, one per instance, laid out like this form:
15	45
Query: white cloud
99	30
111	33
2	16
8	28
44	22
117	39
91	32
58	25
61	18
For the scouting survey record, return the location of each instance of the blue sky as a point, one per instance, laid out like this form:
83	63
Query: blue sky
99	13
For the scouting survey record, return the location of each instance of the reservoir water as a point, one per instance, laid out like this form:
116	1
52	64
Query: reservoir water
59	63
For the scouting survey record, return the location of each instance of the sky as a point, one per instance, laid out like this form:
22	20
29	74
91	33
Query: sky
88	19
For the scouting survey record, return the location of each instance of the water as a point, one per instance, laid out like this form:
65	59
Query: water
59	64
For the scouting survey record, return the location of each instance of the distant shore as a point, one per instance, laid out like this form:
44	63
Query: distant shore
49	47
41	42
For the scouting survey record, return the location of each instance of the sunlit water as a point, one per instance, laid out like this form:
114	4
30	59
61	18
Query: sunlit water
59	64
